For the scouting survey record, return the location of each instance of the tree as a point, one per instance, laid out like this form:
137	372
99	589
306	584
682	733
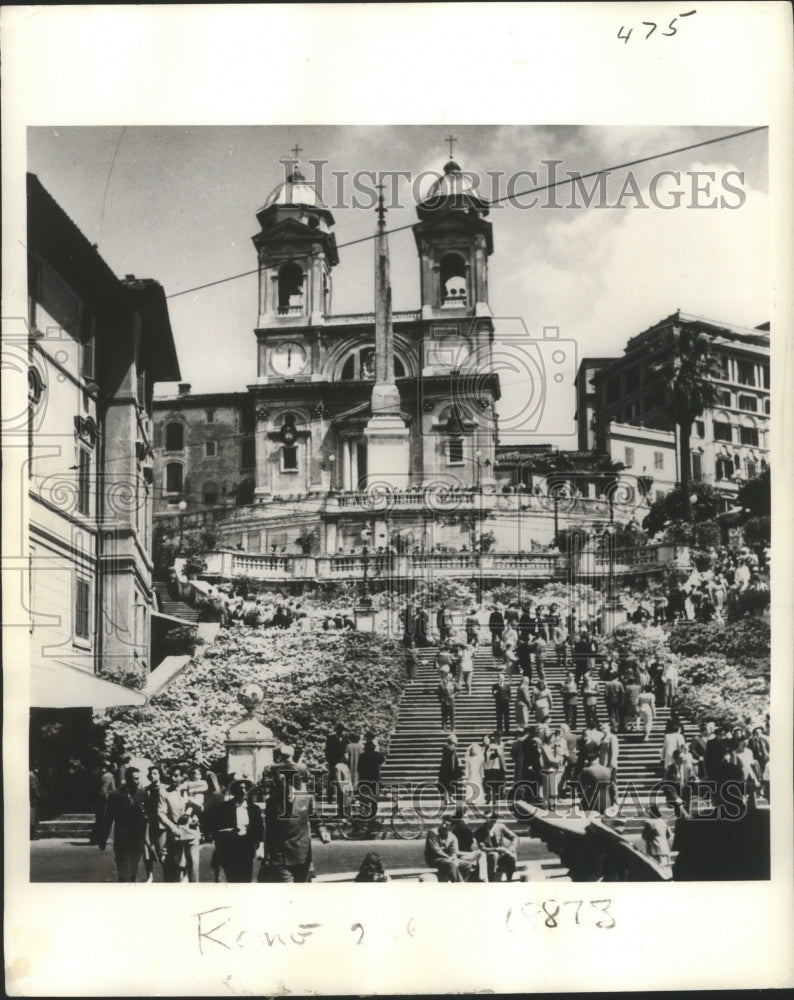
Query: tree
756	495
688	373
676	506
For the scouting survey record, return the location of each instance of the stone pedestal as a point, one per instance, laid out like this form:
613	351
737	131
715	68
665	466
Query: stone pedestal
365	617
388	453
612	615
249	743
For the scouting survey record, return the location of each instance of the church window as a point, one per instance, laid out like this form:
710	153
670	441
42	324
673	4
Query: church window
173	477
455	451
210	449
210	494
289	458
290	289
453	280
174	437
361	366
247	453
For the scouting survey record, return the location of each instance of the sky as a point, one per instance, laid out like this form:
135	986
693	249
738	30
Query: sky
178	205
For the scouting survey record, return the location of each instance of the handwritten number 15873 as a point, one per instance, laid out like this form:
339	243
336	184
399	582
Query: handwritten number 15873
625	34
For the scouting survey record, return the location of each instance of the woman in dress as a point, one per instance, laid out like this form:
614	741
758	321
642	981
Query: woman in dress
494	769
450	770
646	711
475	777
543	703
523	703
673	740
552	758
510	641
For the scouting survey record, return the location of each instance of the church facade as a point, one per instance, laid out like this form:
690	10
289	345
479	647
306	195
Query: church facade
349	416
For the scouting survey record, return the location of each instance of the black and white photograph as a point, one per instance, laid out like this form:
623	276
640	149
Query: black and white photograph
395	505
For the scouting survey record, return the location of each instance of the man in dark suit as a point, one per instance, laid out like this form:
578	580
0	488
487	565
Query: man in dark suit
126	813
288	839
679	779
596	786
335	753
613	696
496	624
237	828
501	694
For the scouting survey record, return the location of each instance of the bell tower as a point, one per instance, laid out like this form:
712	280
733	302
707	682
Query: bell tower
454	241
296	250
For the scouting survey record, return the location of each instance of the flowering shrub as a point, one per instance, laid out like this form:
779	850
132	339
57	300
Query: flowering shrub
310	681
639	641
749	637
712	688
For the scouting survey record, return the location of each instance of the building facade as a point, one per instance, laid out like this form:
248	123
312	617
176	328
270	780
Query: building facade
344	405
97	345
729	441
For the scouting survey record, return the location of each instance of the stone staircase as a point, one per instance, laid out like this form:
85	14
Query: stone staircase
415	746
175	609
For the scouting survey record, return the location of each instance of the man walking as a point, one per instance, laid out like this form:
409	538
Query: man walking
335	753
288	841
613	696
501	694
126	812
237	828
446	691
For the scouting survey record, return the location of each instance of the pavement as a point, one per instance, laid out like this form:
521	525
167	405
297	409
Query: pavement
75	860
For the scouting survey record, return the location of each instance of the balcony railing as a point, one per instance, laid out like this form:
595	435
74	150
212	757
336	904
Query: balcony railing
227	564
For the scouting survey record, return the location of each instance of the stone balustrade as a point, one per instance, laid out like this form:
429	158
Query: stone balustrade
226	564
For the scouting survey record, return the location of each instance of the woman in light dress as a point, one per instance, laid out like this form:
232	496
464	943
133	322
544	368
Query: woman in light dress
523	703
673	740
475	778
646	711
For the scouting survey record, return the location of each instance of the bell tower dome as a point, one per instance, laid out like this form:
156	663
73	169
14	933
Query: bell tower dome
296	249
454	241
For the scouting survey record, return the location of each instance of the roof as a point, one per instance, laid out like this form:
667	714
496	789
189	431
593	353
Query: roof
199	399
457	184
159	349
53	235
295	190
54	684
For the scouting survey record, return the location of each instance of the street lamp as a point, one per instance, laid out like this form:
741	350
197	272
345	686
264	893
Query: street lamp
182	508
366	600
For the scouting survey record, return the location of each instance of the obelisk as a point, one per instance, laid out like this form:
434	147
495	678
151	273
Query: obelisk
388	452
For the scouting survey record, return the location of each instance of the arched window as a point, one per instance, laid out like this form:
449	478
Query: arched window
210	494
173	477
453	280
290	288
174	437
360	366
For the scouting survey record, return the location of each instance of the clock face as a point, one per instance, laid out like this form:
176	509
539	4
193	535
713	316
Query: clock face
288	358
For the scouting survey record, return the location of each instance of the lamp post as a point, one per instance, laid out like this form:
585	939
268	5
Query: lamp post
182	508
366	600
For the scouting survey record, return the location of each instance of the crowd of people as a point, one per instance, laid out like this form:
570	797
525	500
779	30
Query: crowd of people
161	818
